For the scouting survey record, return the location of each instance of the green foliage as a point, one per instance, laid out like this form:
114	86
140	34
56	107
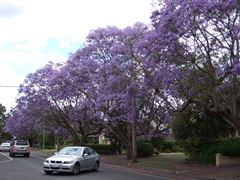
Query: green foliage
229	147
115	142
176	146
48	146
204	125
199	130
157	143
166	146
102	148
207	156
3	118
194	148
144	149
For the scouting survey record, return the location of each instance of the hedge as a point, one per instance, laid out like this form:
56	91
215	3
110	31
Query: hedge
229	147
102	148
144	149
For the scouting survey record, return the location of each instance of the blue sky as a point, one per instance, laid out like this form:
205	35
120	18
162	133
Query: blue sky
34	32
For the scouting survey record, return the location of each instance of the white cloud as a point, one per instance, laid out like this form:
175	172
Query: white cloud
8	78
27	26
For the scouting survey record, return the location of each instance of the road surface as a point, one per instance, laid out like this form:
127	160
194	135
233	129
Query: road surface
23	168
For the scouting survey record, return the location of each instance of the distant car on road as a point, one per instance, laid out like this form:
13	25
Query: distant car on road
72	159
5	146
20	147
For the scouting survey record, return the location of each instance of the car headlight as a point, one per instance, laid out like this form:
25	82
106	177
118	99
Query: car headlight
68	162
46	161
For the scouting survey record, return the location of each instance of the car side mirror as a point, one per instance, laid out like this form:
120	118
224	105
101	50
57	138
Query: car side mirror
85	154
55	153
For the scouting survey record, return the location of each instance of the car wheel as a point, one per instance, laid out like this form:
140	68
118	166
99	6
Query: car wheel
48	172
96	166
27	155
76	169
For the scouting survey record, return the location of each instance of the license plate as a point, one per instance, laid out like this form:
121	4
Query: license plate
55	165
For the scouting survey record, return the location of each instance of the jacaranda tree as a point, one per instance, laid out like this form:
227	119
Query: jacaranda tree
105	84
202	38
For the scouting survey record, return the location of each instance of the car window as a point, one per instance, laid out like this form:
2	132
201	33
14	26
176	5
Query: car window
70	151
23	143
90	151
86	151
94	152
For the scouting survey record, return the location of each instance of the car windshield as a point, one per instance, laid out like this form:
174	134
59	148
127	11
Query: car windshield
70	151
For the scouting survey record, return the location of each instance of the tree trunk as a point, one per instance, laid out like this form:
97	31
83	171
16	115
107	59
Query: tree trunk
237	133
129	150
134	143
129	143
84	140
57	143
75	139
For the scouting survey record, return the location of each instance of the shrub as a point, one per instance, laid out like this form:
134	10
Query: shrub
102	148
193	146
229	147
166	146
157	143
207	156
177	146
144	149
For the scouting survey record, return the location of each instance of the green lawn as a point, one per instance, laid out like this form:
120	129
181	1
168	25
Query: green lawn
167	161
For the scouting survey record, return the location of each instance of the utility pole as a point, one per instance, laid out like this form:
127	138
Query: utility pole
44	137
134	139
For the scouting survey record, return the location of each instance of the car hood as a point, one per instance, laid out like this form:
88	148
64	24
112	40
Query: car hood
63	158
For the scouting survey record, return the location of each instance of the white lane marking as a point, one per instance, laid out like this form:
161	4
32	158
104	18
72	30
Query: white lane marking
9	159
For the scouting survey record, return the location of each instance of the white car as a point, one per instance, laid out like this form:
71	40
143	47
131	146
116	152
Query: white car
5	146
72	159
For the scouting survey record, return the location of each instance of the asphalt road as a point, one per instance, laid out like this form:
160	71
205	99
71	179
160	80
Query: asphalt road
22	168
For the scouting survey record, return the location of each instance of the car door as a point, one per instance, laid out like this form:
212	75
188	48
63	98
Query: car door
85	164
91	158
88	158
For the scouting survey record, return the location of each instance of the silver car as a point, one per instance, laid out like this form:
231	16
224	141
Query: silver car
72	159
